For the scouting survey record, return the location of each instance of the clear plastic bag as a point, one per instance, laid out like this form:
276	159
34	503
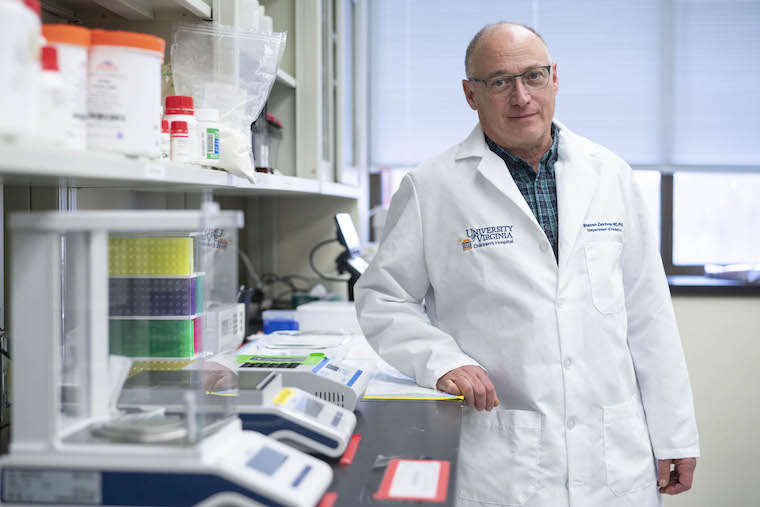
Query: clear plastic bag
231	70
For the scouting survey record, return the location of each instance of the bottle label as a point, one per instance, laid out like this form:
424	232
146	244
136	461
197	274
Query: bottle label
211	143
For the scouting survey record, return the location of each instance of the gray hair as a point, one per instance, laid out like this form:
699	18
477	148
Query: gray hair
476	40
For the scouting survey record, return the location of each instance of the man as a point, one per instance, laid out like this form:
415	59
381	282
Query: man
545	301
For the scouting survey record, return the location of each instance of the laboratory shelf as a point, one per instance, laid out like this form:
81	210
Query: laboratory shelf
133	10
285	79
30	165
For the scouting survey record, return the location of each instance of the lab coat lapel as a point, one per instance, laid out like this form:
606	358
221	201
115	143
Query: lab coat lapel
577	175
493	168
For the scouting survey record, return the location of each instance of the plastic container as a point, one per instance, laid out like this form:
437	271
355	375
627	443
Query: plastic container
180	108
153	337
20	30
328	315
249	15
53	113
165	140
150	256
181	143
279	320
154	297
208	130
124	92
72	43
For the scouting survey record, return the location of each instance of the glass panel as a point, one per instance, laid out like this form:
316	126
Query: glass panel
716	218
417	107
608	57
75	316
327	80
717	97
649	186
348	84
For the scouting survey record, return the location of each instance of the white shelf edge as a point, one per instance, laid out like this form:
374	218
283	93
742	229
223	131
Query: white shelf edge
26	164
339	190
197	7
126	9
285	79
134	10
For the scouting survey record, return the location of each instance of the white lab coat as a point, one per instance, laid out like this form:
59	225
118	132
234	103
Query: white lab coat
585	357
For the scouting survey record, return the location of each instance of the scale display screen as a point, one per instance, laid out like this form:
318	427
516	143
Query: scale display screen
267	461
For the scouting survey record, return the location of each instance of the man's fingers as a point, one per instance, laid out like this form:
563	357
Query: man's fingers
471	382
448	386
479	392
663	472
685	471
466	389
491	399
681	478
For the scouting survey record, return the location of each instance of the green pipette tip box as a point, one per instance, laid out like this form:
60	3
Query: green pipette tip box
151	338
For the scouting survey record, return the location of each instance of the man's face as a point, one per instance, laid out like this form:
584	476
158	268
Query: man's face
520	119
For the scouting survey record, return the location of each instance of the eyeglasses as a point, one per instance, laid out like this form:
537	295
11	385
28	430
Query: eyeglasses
534	79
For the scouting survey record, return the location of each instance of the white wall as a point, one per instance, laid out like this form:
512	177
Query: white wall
721	339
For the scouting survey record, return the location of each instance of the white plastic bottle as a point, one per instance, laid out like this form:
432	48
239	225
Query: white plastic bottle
249	15
54	110
182	145
208	130
124	92
180	108
166	149
72	43
20	30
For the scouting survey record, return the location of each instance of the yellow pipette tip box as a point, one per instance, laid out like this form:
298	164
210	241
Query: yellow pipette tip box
150	256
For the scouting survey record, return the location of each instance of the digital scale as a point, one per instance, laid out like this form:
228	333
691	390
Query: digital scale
286	414
325	378
69	444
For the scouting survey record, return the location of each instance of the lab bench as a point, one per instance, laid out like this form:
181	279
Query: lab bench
390	429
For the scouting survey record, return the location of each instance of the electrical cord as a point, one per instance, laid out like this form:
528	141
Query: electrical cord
6	354
314	267
253	278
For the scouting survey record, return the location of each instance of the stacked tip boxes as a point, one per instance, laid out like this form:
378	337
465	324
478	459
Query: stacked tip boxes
155	297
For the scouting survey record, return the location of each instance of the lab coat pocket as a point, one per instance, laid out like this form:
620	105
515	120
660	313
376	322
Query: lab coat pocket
498	456
628	451
603	261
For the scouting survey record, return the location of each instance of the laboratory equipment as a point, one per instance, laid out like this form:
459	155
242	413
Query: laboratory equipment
70	444
284	413
316	374
276	320
329	315
349	261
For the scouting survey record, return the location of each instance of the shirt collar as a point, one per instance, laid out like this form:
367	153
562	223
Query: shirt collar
513	161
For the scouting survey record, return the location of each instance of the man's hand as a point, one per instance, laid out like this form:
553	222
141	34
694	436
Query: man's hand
473	383
678	480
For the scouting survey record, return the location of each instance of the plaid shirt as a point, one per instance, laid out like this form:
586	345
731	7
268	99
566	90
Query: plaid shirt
539	188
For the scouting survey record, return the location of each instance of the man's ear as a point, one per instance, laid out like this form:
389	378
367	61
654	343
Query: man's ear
469	94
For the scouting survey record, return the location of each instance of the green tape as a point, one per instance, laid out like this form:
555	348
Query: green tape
311	359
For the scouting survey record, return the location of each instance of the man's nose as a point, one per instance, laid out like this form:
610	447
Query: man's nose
520	95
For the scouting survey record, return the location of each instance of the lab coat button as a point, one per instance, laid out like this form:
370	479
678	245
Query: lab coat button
571	423
560	303
568	363
544	246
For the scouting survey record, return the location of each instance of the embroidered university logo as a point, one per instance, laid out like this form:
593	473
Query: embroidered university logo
487	236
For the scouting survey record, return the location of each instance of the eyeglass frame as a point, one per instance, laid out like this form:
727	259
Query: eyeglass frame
503	76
